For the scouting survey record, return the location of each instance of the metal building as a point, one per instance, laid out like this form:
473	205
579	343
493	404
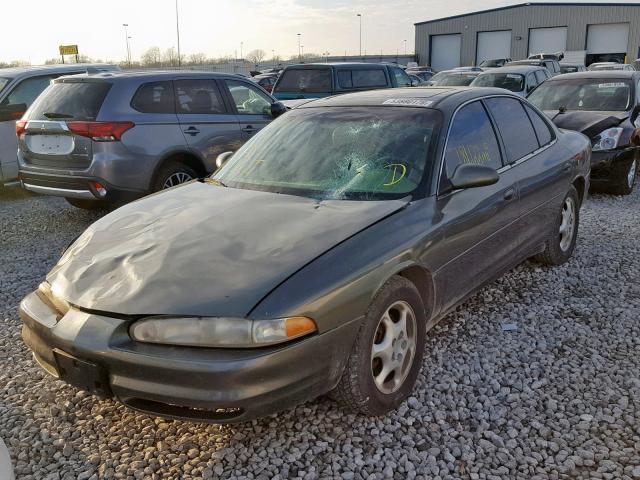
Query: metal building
603	31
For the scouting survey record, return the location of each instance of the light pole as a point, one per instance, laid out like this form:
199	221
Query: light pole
299	54
178	33
302	50
129	45
126	39
359	15
273	56
241	45
405	48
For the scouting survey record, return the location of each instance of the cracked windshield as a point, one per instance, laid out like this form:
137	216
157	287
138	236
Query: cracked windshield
359	153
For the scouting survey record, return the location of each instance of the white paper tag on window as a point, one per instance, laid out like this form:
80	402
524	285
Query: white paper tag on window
419	102
612	85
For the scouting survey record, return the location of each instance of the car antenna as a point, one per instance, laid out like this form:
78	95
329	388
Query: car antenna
561	110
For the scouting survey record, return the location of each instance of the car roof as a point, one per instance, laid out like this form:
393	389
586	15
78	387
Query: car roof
155	74
532	61
514	69
340	64
43	69
425	97
622	74
461	72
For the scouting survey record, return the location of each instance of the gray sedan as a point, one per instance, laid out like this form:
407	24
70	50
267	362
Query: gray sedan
316	259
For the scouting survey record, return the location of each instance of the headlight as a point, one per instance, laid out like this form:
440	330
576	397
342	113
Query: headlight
220	331
608	139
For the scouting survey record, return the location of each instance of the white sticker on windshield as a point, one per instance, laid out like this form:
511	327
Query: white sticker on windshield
612	85
420	102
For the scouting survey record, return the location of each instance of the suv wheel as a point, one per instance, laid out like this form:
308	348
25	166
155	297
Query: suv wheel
172	174
385	360
561	239
624	176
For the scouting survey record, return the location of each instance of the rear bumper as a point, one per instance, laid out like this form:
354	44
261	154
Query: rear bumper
81	187
95	353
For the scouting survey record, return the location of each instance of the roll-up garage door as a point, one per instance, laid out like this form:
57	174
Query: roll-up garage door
547	40
608	38
493	45
445	51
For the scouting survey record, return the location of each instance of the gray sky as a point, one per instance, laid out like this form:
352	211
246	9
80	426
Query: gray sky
216	27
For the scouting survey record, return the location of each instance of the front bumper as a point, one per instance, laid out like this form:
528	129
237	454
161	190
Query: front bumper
603	163
95	353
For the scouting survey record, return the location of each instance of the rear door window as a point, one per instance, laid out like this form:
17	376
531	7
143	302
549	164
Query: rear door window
71	100
154	97
542	129
514	125
540	76
248	99
309	80
362	78
198	97
472	140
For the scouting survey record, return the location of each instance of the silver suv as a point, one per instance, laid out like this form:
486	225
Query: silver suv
112	138
19	87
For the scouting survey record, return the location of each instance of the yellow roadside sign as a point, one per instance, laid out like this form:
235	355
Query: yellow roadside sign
68	49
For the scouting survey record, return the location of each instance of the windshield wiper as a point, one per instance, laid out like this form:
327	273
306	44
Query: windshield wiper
214	181
57	115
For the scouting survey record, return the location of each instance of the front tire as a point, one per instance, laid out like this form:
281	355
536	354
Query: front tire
385	360
624	176
561	240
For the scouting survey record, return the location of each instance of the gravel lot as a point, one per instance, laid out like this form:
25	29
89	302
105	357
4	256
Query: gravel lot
557	398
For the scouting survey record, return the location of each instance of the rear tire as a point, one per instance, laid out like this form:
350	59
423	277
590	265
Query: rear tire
172	174
88	204
561	239
381	347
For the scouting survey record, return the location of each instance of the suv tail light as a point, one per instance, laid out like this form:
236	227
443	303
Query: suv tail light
100	131
21	126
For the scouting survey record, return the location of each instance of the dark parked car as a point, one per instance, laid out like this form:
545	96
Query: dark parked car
19	87
266	80
572	67
315	259
495	63
114	137
318	80
602	105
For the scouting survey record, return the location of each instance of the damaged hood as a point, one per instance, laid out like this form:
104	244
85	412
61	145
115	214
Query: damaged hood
588	123
203	250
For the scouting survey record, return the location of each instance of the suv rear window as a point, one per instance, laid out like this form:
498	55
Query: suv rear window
71	100
362	78
312	80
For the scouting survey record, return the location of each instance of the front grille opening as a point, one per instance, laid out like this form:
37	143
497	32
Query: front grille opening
204	414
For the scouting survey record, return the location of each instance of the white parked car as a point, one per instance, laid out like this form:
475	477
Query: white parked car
520	79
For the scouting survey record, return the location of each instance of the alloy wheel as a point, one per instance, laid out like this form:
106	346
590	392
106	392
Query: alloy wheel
176	179
568	224
394	347
631	174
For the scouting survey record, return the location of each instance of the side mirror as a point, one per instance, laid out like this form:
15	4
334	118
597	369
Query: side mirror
12	112
634	115
472	176
414	83
222	158
277	109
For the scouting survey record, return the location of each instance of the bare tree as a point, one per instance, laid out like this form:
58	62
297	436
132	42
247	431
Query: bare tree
151	58
197	59
256	56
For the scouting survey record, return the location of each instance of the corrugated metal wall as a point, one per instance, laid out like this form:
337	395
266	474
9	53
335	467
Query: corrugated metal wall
520	19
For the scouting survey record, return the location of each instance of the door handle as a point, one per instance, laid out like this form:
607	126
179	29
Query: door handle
192	131
510	194
249	129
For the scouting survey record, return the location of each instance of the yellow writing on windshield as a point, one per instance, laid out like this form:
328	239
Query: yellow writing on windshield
398	172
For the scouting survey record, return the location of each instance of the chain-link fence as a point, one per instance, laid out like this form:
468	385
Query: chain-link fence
244	67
